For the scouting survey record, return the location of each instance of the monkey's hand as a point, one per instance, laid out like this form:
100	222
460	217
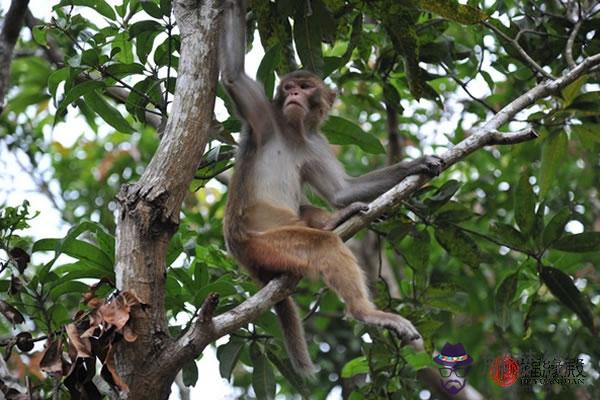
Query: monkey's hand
344	214
429	165
404	329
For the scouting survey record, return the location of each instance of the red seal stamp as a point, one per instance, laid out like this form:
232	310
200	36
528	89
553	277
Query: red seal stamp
504	371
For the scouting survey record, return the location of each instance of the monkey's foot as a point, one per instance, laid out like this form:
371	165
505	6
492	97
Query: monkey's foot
432	165
343	215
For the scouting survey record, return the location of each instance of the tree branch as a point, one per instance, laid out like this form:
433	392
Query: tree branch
570	43
523	135
481	137
13	22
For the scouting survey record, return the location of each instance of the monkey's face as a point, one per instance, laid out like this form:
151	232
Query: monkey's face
304	99
299	98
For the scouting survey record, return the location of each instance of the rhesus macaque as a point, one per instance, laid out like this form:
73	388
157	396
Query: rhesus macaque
269	227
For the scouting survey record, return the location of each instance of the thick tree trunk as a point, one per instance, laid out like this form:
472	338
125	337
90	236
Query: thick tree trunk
149	209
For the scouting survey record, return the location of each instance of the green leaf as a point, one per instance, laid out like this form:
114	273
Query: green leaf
417	245
556	227
333	63
100	6
587	132
443	194
189	373
59	314
68	287
78	91
108	113
78	249
56	78
488	79
504	297
554	149
228	355
561	285
152	8
164	53
286	369
417	360
325	20
453	211
165	7
452	10
144	33
122	42
359	365
39	34
341	131
524	205
90	57
579	243
459	245
263	378
509	236
120	70
307	36
223	287
266	69
183	276
570	92
147	25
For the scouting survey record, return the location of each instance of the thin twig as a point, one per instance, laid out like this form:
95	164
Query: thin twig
571	42
463	85
315	306
534	65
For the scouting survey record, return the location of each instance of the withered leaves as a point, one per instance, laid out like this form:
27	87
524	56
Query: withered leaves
11	313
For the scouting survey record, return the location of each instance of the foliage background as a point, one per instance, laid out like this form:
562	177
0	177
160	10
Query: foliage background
479	256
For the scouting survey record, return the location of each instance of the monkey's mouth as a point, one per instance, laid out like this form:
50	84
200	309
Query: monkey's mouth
294	103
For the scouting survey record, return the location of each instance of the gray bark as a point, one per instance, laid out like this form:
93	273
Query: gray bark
13	22
149	209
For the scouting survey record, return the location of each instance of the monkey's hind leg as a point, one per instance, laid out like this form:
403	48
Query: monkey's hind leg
342	273
311	252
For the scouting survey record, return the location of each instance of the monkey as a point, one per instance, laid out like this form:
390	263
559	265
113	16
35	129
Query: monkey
269	227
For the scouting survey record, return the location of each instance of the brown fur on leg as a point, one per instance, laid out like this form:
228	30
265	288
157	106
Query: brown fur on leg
312	252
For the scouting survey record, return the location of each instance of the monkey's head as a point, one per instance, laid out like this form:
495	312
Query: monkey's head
303	97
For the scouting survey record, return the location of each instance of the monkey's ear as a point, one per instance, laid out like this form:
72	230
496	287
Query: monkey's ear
331	95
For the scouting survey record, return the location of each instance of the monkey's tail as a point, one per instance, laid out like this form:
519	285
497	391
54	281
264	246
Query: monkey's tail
293	334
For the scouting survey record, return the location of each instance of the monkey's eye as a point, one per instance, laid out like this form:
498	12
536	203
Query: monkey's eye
305	85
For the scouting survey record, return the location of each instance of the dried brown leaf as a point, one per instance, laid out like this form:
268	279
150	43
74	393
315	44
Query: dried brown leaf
52	360
11	313
109	365
116	312
15	285
131	298
82	346
20	257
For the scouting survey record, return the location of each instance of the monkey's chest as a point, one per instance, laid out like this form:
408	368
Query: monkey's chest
277	177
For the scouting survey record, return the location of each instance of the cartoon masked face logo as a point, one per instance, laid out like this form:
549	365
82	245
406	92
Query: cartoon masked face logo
454	363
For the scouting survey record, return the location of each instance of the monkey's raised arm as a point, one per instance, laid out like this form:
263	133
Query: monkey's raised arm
251	103
328	177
